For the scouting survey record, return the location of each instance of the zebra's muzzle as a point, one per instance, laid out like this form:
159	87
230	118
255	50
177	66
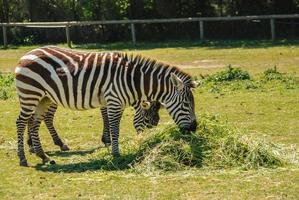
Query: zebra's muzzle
190	128
193	126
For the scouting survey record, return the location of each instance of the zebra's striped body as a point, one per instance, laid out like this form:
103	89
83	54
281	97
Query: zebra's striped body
85	80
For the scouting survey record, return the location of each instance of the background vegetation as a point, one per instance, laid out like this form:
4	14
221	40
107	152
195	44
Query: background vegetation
79	10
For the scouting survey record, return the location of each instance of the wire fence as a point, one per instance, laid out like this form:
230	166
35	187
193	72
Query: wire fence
202	22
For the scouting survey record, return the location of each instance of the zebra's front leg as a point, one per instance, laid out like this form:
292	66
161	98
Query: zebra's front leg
114	115
49	118
106	139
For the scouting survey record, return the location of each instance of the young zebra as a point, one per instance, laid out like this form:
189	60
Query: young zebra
86	80
146	115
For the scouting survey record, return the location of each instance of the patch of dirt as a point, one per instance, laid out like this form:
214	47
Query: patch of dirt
204	64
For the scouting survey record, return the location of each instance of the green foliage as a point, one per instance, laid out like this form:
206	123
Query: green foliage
28	40
6	86
229	74
215	144
233	79
272	74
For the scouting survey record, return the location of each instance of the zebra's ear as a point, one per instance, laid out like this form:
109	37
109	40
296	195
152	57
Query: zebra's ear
195	84
145	105
178	83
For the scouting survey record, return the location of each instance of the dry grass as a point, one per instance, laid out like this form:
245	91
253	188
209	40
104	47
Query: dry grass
215	145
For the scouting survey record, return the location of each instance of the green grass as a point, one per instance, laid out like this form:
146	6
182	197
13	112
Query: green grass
208	56
259	108
7	88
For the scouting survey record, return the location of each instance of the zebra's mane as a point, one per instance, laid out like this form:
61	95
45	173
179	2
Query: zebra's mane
140	60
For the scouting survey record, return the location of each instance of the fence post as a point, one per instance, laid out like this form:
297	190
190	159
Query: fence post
4	31
133	33
68	38
272	24
201	31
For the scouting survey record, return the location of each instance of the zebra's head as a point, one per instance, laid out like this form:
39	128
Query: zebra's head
151	113
180	105
147	115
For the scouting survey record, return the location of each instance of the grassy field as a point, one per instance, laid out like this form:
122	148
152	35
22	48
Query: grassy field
259	109
254	56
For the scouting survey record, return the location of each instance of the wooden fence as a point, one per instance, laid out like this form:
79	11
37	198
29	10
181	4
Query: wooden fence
200	20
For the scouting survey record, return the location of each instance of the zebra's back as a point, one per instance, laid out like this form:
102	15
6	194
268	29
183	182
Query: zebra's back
69	78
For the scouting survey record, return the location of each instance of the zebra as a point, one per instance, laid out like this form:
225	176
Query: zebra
146	116
85	80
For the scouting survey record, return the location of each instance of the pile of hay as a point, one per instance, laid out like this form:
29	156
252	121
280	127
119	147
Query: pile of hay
214	145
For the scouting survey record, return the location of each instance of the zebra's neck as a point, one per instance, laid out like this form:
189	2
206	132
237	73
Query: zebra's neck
153	78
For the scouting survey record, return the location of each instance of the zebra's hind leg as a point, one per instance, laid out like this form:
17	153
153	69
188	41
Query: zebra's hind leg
106	139
49	117
38	116
114	115
21	123
29	129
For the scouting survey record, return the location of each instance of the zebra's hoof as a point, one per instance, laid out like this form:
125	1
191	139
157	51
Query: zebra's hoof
46	160
64	148
52	162
106	141
24	163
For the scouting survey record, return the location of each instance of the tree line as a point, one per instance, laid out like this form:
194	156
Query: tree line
81	10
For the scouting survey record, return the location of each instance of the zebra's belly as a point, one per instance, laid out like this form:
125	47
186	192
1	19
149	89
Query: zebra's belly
77	104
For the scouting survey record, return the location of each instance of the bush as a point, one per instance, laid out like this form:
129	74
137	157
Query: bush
284	81
6	86
272	74
215	145
229	74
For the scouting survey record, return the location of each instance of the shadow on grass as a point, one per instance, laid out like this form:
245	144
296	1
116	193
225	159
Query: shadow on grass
72	153
120	163
156	143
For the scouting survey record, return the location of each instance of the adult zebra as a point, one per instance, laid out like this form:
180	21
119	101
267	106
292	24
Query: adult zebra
146	115
86	80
